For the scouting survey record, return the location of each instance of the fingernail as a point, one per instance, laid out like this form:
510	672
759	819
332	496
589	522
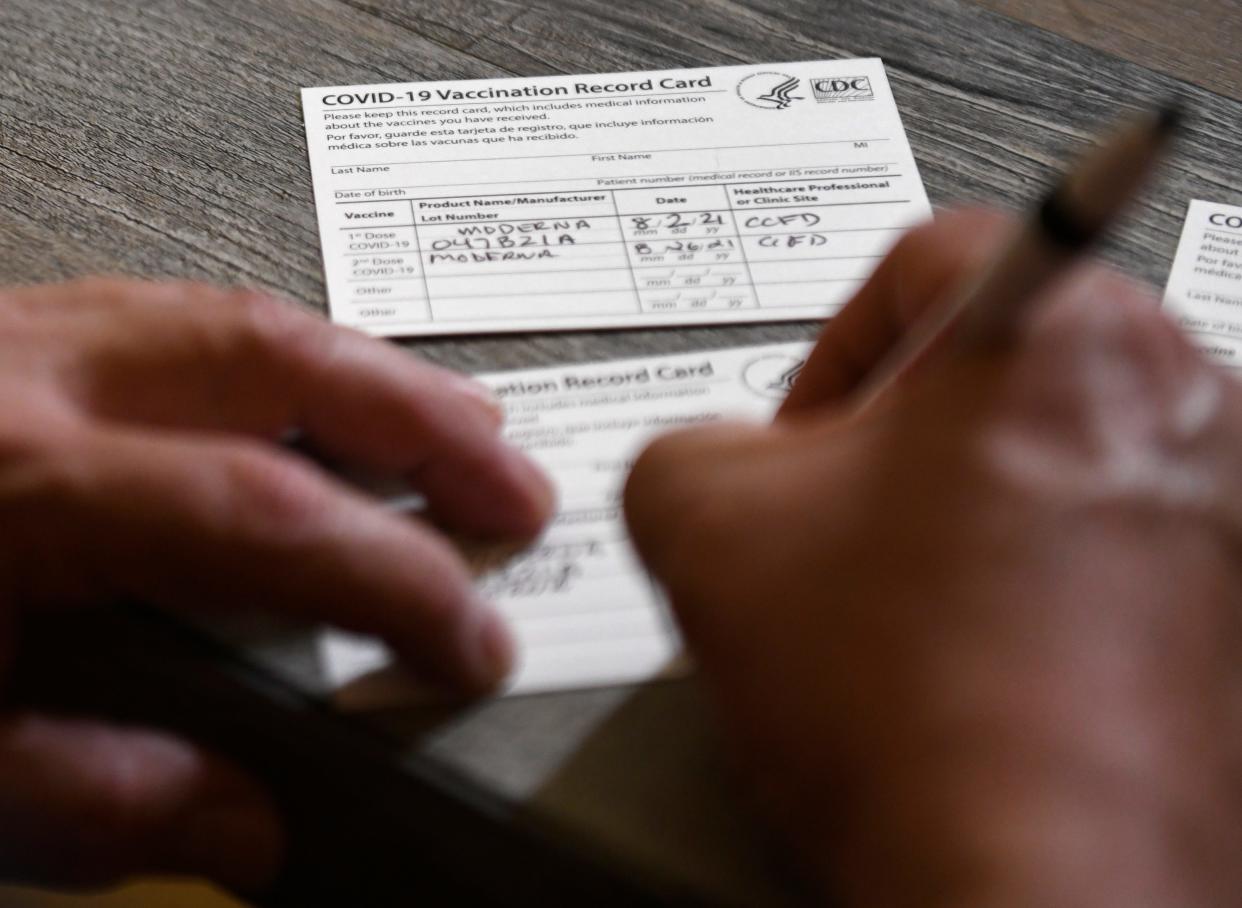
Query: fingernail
481	394
540	491
239	845
495	650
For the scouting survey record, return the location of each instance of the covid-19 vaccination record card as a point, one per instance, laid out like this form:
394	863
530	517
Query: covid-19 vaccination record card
726	194
582	609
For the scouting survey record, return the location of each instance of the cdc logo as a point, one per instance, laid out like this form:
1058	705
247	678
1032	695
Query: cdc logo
842	88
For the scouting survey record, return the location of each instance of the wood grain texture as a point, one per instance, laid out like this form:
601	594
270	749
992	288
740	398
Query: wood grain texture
164	138
1196	40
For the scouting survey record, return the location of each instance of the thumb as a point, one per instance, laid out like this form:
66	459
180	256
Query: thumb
926	264
84	804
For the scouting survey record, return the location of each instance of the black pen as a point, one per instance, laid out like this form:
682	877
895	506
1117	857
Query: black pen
988	312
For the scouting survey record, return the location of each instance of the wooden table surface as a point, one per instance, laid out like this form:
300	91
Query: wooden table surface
164	138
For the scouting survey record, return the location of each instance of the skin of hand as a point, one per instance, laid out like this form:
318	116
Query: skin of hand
138	458
980	644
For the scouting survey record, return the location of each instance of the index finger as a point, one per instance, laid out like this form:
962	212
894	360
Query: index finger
225	524
928	262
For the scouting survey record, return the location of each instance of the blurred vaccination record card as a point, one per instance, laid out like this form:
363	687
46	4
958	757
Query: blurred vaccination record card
708	195
1204	293
582	609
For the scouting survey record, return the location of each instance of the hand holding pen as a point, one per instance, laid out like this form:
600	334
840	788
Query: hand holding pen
987	311
976	642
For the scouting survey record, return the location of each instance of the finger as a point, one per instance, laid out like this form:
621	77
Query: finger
220	524
681	493
86	804
189	356
927	263
703	501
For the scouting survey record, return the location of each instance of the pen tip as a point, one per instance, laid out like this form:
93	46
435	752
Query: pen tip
1170	117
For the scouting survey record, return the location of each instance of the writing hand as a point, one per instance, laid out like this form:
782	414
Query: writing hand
981	643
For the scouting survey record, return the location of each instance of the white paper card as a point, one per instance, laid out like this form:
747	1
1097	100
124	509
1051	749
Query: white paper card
1204	293
583	610
729	194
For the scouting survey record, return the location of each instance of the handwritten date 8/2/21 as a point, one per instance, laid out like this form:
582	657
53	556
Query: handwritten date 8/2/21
676	220
680	221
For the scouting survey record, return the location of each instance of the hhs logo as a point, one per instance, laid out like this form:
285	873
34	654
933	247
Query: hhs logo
772	91
843	88
773	375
